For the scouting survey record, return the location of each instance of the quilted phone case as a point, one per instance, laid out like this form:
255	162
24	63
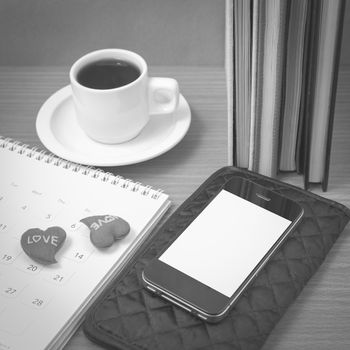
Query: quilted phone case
129	317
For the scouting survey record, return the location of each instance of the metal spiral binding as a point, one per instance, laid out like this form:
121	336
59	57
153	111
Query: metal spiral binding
98	174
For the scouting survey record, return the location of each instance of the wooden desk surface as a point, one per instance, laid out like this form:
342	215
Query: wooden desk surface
320	317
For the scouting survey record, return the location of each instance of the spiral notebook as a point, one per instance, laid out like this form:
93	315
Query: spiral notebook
41	306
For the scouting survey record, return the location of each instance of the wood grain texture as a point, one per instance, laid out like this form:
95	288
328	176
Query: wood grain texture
320	317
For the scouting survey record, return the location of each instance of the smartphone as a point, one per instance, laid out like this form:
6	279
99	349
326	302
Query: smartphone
217	256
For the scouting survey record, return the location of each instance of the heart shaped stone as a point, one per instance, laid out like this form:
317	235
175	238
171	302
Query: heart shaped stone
106	229
42	246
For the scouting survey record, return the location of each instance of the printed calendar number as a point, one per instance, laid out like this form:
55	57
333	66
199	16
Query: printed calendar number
9	222
32	268
7	259
10	291
48	216
9	250
3	227
35	301
62	276
80	251
75	226
78	256
38	302
29	267
58	278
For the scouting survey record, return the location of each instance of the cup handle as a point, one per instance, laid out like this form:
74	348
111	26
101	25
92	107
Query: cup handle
163	95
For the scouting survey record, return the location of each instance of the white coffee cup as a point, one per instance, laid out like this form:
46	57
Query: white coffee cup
119	114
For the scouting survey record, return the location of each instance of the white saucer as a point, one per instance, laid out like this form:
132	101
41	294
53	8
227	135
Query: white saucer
59	131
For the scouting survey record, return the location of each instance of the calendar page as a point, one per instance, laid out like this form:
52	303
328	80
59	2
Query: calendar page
39	304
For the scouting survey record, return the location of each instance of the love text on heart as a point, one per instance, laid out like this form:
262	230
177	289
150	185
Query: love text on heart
47	239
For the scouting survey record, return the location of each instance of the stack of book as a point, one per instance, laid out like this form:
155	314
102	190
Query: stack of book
285	65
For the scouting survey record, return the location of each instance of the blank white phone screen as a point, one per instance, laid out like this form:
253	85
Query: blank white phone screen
225	242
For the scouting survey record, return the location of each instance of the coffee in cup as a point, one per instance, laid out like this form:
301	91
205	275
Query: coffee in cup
114	97
107	73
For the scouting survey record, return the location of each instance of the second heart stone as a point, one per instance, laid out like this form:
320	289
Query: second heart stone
106	229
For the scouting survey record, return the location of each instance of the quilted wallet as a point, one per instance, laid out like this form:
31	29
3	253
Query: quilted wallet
128	317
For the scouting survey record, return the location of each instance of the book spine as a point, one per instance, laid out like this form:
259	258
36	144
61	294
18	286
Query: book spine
230	78
258	21
242	74
339	36
311	68
292	85
309	42
327	35
98	174
267	83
